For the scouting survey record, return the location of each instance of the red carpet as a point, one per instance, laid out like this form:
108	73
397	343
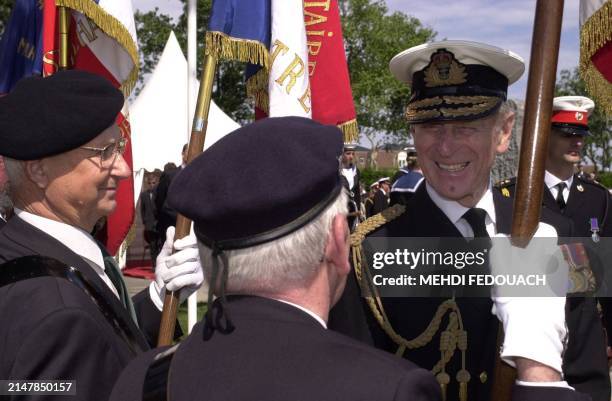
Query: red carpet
139	269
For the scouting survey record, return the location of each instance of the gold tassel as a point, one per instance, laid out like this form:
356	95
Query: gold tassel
443	379
247	51
463	392
113	28
594	34
350	129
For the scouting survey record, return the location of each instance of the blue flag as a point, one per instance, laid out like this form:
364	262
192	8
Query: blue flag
240	30
21	45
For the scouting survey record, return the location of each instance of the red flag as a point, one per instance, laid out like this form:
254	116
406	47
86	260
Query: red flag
596	50
102	40
331	96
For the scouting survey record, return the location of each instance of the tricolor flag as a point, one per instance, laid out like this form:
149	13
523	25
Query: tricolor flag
21	45
296	56
596	50
102	40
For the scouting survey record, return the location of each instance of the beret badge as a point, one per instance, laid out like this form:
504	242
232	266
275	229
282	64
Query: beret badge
443	69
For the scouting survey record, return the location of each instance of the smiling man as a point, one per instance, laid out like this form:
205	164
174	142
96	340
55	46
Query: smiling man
460	121
70	317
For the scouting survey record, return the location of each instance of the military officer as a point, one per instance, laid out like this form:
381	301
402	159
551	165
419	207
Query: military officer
268	339
351	181
459	122
586	203
70	317
381	197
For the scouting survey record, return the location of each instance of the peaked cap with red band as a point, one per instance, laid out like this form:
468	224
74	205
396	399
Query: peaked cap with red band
572	112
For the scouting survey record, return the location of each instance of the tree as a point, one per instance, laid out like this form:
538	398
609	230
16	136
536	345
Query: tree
372	37
598	146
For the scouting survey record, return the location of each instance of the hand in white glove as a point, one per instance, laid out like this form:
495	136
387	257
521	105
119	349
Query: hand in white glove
181	271
534	327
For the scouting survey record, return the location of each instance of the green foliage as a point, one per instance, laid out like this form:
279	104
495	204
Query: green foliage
5	12
152	30
605	179
369	175
372	37
598	146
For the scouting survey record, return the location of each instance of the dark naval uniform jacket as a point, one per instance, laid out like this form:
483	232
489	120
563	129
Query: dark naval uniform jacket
278	352
52	329
354	194
585	362
409	317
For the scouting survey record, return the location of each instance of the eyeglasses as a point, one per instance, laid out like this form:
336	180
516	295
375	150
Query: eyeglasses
110	151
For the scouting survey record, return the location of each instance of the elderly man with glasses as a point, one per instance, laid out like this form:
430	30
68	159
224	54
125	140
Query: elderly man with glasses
64	309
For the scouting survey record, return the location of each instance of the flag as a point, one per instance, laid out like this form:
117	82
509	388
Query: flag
295	52
102	40
21	45
331	95
596	50
240	30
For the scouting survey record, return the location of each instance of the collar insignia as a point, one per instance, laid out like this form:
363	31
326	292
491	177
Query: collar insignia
580	188
505	192
443	69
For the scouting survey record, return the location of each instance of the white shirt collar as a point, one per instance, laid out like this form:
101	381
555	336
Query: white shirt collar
454	211
311	313
551	180
78	240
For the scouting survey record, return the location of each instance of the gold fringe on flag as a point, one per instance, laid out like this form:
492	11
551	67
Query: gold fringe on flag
594	34
257	88
113	28
228	48
350	129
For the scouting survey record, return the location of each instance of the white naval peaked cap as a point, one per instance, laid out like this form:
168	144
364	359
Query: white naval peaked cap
405	64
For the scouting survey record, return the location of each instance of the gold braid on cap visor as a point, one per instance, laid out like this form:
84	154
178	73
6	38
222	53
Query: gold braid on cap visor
419	110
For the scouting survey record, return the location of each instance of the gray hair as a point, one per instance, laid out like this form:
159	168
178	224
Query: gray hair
283	263
15	171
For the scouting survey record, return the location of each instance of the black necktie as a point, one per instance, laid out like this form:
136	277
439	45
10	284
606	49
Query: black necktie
476	218
560	199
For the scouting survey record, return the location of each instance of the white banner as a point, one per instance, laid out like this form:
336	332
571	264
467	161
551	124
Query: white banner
288	87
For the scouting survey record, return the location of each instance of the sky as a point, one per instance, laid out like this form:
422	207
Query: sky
504	23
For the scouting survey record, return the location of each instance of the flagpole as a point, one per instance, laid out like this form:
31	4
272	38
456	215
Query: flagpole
64	25
183	225
534	142
192	45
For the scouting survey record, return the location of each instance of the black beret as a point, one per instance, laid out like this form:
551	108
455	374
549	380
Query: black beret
43	117
260	182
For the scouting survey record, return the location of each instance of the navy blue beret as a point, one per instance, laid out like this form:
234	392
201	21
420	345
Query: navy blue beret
43	117
260	182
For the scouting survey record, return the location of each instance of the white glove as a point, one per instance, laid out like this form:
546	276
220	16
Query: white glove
181	271
534	327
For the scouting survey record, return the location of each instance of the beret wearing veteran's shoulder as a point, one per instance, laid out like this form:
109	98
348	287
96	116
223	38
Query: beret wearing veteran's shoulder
265	197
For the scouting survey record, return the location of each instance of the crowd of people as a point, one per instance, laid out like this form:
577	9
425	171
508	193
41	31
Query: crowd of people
286	318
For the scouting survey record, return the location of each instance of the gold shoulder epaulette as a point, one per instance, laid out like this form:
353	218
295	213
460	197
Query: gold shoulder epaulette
503	183
376	221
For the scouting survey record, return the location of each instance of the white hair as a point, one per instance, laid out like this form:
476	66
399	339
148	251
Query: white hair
283	263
